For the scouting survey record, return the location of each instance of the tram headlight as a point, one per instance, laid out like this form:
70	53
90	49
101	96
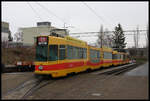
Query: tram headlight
40	67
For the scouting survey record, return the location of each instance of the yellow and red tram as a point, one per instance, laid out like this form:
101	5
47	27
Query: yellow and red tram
107	56
58	56
62	56
94	59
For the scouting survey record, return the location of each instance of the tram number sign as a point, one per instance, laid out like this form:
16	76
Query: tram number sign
42	40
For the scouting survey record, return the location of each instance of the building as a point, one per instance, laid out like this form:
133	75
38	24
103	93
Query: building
5	32
42	28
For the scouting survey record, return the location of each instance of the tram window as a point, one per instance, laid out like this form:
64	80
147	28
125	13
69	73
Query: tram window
107	55
84	53
41	53
69	52
121	56
114	56
53	53
80	53
62	51
73	52
76	52
118	56
98	54
94	56
110	54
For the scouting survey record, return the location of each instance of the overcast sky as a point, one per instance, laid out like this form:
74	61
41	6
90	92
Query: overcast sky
78	15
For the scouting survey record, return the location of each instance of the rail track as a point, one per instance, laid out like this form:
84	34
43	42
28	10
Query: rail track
111	73
36	87
26	88
120	70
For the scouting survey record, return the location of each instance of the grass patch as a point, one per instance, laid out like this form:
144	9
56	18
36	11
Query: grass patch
141	60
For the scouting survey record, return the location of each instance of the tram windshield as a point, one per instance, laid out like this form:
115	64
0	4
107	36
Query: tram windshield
41	53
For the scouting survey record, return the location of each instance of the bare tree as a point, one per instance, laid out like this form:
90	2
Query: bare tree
135	40
147	40
110	40
137	37
100	37
18	36
107	38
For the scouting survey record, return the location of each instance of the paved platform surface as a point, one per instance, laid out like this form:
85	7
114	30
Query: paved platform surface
139	71
85	86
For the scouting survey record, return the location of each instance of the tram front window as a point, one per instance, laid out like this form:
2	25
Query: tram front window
41	53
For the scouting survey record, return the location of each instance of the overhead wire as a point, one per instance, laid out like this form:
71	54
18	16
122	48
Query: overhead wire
108	32
34	10
100	17
49	11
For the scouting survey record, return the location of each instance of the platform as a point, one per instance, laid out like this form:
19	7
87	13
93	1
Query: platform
141	70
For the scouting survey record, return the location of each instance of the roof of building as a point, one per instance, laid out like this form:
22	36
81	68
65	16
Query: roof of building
37	27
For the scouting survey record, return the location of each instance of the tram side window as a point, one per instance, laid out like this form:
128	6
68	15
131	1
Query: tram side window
110	54
118	56
69	52
114	56
98	54
107	55
53	53
84	53
125	57
62	51
94	56
76	53
121	56
80	53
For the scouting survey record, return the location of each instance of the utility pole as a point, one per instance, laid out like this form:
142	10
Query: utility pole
64	25
65	28
101	35
137	36
147	36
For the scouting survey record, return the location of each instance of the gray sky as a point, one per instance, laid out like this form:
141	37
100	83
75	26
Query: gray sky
129	14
